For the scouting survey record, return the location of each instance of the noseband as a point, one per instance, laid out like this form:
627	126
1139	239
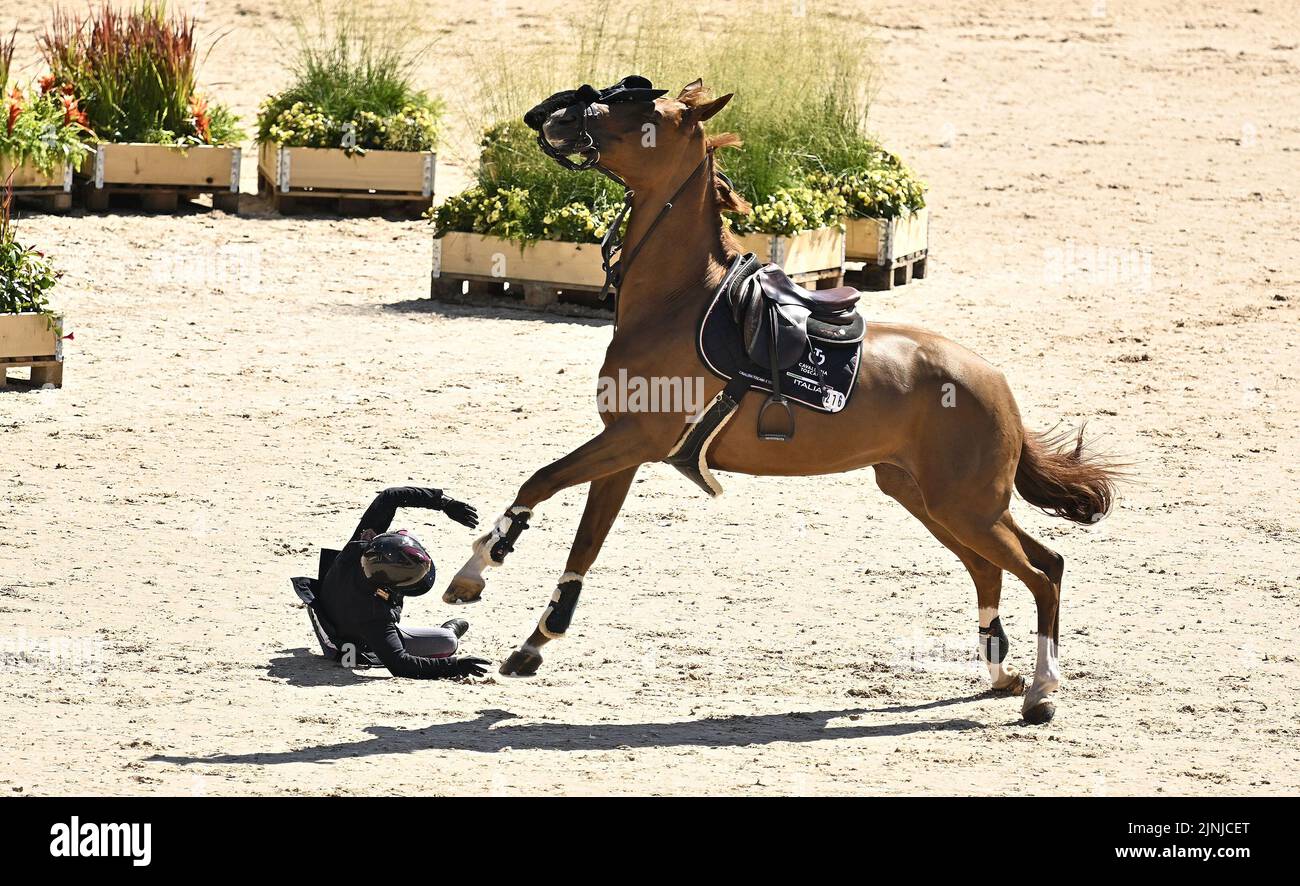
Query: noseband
583	98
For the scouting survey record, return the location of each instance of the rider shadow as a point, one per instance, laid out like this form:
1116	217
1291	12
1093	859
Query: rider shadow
479	735
303	667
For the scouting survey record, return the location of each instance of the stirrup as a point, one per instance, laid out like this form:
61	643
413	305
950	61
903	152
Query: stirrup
780	436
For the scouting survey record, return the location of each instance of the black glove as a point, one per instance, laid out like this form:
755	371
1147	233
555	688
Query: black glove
467	666
462	513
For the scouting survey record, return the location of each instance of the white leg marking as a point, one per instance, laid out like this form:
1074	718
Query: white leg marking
1047	673
987	614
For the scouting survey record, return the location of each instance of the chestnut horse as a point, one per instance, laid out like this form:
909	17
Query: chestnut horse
937	422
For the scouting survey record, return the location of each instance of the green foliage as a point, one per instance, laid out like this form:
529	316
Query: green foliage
133	74
791	211
26	276
801	108
42	131
352	86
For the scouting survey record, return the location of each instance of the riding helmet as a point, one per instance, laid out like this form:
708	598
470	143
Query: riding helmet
398	561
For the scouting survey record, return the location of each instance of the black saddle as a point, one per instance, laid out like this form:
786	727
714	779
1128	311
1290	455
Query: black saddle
326	633
764	332
777	317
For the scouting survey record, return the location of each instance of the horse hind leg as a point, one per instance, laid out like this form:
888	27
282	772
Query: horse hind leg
993	645
1005	544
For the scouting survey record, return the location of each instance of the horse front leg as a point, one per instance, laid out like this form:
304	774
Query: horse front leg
620	446
604	501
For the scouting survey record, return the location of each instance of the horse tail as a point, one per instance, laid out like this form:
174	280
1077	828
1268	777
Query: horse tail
1063	481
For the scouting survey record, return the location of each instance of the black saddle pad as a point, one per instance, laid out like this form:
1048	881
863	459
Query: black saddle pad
822	379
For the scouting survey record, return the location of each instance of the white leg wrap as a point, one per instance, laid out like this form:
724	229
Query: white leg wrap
481	558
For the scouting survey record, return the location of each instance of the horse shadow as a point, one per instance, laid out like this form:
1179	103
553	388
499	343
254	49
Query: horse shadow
490	733
499	308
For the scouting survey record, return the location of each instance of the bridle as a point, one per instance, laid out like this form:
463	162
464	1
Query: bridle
613	260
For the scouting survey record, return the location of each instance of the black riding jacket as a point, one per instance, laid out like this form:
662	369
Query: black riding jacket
349	600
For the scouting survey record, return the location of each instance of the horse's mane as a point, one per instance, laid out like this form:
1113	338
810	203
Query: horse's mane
694	96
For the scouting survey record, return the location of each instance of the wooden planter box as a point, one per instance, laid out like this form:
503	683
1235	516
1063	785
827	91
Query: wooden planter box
892	251
543	273
53	190
810	258
331	173
549	272
28	340
164	174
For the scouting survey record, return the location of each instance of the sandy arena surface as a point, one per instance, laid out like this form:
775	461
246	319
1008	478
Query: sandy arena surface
1114	224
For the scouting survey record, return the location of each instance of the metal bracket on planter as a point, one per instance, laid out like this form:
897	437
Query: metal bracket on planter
99	167
778	251
236	156
67	177
437	257
429	161
282	170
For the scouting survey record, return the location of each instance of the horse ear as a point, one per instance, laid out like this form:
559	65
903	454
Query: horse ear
694	86
705	111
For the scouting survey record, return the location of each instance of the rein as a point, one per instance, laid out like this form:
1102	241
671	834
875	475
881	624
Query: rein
611	245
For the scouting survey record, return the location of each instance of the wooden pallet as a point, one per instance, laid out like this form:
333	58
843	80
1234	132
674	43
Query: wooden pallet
152	198
45	371
483	291
157	178
883	253
899	272
333	181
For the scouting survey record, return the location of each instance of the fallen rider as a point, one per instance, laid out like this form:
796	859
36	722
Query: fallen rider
358	600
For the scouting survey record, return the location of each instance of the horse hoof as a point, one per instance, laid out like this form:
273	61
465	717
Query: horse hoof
1013	685
463	590
521	663
1040	713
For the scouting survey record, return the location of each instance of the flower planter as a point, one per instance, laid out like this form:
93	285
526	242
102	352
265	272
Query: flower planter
162	175
892	251
384	177
812	258
53	190
544	274
30	340
551	272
